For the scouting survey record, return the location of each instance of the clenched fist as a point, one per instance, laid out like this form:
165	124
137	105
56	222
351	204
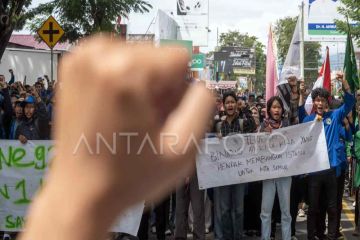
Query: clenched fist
125	131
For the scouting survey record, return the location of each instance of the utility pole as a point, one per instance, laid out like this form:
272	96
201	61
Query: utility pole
302	54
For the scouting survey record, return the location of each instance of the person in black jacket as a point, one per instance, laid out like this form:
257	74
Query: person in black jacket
17	119
230	199
6	114
36	120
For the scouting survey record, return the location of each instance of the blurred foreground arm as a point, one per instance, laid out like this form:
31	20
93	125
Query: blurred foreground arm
114	91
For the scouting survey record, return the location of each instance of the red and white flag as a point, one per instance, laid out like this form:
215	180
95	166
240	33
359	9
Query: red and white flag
323	81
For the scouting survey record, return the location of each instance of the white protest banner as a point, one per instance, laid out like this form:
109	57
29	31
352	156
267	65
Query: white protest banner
129	221
22	172
290	151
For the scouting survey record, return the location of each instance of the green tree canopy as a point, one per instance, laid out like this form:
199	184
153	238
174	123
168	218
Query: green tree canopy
12	17
284	30
81	18
237	39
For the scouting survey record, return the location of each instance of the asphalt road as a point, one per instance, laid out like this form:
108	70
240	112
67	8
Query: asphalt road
347	223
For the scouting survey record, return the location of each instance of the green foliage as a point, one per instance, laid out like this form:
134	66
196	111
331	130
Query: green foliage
13	15
237	39
351	10
15	10
284	30
81	18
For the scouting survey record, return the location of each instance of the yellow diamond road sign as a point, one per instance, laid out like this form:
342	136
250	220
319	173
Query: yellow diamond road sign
51	32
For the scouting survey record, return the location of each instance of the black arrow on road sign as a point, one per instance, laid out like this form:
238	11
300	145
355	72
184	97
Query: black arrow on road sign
51	32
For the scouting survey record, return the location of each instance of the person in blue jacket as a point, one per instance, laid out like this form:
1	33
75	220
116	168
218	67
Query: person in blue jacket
345	132
326	181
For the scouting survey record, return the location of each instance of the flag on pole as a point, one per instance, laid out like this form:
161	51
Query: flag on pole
271	67
350	68
323	81
291	66
351	75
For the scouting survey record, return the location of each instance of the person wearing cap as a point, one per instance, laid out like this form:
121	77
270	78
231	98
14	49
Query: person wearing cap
35	122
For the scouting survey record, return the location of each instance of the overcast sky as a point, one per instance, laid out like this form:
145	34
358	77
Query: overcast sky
247	16
252	16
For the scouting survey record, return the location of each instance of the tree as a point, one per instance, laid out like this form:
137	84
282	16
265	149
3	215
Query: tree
81	18
284	30
237	39
12	17
350	9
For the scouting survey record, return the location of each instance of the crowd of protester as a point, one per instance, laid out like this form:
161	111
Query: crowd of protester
27	111
265	204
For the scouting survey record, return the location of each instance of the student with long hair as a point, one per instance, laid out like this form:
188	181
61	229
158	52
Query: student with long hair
275	120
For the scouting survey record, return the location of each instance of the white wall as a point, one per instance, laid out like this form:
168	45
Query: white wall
29	63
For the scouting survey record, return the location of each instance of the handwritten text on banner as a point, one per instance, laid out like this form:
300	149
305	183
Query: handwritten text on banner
22	172
290	151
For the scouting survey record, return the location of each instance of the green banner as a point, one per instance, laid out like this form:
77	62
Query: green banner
22	173
198	62
188	45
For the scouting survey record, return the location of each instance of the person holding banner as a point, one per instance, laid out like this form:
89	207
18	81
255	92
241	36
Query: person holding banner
275	120
326	180
36	119
232	197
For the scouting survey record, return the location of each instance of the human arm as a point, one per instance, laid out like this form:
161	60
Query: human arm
301	110
88	189
349	99
293	116
12	79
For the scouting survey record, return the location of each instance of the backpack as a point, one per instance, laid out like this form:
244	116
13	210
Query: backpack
219	125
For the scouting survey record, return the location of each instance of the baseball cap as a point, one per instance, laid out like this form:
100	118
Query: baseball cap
29	99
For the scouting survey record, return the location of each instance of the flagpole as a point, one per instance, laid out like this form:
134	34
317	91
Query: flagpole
302	53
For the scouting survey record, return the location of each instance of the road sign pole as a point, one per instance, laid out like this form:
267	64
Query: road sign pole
51	33
52	65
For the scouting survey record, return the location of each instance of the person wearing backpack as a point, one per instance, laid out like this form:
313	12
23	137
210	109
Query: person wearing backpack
231	198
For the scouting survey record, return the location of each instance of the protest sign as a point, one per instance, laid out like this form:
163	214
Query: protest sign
22	173
242	158
129	221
